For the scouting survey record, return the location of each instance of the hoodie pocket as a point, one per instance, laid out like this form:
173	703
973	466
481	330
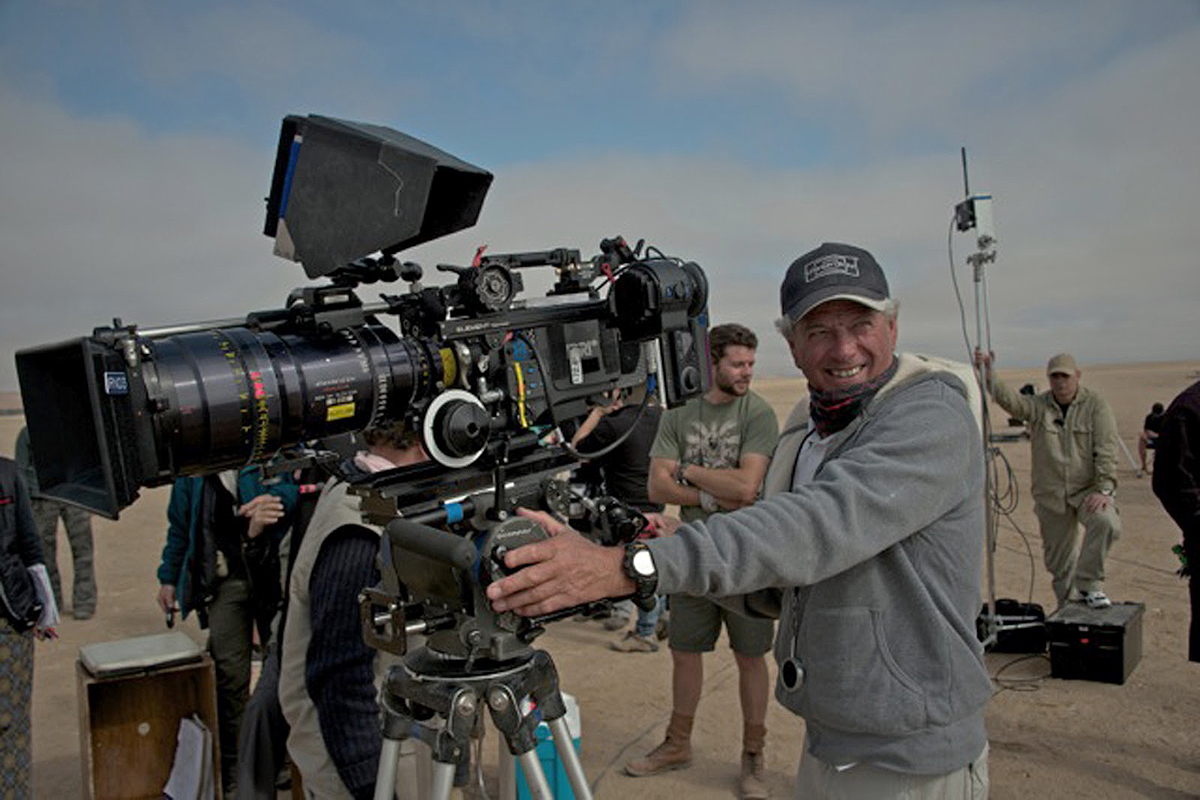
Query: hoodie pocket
854	683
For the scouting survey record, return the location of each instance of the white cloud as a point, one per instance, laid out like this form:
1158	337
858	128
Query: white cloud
99	219
895	68
1093	175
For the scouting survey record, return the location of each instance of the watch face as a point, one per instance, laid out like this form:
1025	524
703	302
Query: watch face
643	563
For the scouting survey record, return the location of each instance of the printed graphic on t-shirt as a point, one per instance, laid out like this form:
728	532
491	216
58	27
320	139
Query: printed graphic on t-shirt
715	445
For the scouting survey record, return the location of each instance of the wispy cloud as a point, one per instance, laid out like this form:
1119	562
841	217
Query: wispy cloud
736	136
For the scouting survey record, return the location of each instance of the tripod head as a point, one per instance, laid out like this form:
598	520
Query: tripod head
439	556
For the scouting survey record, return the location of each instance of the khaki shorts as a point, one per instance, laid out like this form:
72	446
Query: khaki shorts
696	624
817	779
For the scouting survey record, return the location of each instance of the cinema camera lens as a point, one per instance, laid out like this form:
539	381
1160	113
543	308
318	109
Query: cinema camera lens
472	366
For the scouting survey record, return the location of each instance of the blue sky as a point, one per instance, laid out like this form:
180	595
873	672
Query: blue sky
138	141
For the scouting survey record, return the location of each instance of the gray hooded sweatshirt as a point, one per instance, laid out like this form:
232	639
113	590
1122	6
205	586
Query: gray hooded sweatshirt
880	558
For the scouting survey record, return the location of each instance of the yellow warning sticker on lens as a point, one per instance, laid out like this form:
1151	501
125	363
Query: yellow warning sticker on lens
340	411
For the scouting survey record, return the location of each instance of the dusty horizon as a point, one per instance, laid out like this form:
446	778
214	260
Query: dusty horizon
1048	737
10	398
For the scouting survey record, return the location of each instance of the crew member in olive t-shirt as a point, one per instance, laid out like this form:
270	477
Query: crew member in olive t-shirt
711	455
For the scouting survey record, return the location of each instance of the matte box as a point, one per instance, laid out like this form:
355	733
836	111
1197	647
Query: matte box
1095	644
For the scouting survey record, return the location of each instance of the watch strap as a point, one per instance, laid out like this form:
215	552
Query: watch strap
644	585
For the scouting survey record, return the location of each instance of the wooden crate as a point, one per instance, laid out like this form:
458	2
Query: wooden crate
128	726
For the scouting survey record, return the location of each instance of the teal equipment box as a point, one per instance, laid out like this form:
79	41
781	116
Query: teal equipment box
556	775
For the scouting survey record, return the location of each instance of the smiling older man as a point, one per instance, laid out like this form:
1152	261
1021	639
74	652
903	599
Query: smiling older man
872	523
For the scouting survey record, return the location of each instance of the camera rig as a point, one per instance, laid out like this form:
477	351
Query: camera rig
485	375
475	367
482	373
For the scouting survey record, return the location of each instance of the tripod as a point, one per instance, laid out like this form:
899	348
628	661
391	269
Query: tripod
427	682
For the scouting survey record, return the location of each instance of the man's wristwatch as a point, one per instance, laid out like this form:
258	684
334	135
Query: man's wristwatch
682	481
638	564
1107	492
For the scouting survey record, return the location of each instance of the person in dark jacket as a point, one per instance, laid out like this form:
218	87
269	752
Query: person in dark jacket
329	677
221	560
78	524
1148	438
1177	485
20	616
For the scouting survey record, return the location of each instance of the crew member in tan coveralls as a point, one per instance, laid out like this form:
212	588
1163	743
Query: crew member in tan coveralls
1074	438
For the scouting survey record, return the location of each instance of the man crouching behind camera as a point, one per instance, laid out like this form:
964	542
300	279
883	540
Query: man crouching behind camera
328	675
871	522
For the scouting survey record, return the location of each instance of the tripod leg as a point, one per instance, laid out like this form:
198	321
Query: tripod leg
570	759
443	781
539	788
385	778
507	771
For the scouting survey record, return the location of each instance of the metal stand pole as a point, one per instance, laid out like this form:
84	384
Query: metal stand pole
385	777
535	778
989	512
506	771
570	759
442	781
1132	463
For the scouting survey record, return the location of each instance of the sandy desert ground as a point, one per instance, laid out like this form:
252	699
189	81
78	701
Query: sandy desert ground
1049	737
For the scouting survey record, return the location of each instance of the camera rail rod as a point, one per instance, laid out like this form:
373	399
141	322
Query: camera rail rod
233	322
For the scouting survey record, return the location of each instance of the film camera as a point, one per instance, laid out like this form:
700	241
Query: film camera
484	374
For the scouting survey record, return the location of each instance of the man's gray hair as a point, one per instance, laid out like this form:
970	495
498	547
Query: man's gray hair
891	307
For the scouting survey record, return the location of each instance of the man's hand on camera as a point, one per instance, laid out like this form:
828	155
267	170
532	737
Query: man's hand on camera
560	572
264	510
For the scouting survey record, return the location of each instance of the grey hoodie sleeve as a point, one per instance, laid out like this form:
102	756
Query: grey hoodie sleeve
913	460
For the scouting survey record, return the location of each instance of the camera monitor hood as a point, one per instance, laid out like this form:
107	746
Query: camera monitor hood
343	190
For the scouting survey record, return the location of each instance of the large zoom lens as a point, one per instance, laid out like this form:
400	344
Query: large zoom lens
235	396
119	410
198	402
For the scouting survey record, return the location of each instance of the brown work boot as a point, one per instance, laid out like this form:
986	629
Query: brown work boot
675	752
752	784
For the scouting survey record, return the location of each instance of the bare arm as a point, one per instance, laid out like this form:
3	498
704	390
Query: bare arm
587	426
733	487
1018	405
662	487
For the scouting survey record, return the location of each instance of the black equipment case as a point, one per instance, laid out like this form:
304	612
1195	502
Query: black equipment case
1095	644
1021	627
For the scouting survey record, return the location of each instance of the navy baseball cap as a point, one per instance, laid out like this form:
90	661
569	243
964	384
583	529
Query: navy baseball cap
833	271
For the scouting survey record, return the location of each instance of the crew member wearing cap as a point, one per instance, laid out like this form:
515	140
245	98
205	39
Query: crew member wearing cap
1073	434
871	523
